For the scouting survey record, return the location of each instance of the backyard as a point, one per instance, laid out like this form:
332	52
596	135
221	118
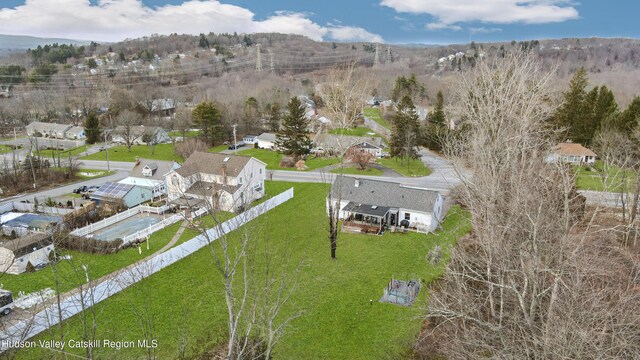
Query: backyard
376	115
337	322
120	153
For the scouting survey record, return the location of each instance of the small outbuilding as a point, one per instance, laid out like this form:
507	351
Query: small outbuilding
30	251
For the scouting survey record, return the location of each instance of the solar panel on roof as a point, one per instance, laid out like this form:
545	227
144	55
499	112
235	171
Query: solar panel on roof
113	190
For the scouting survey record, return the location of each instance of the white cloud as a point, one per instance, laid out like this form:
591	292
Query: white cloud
113	20
442	26
450	12
483	30
350	33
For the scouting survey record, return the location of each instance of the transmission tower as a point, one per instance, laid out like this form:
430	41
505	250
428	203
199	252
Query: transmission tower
272	67
376	59
258	59
389	54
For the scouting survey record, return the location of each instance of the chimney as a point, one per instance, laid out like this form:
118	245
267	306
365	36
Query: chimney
357	182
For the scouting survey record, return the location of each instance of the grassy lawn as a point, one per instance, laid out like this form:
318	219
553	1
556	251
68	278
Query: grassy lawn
596	178
4	149
64	154
376	115
120	153
187	301
219	148
354	170
272	159
87	174
358	131
98	265
414	167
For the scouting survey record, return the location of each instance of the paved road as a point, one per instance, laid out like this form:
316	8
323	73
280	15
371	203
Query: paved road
601	198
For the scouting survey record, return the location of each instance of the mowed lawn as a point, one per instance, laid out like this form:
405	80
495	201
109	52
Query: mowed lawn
187	303
375	114
120	153
596	178
70	272
355	170
63	153
272	159
406	166
357	131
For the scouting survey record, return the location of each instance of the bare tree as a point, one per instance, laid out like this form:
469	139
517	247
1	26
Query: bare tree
127	128
344	94
525	283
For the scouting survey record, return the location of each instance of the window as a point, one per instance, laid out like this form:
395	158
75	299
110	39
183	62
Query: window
261	171
407	216
239	181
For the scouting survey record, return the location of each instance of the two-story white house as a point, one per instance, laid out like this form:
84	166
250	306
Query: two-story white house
217	181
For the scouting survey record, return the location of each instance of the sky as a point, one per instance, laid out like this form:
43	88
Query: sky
384	21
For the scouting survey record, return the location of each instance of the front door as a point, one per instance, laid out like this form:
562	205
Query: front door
393	220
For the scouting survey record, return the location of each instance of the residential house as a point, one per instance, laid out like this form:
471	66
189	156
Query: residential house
217	181
48	130
150	174
368	205
334	144
17	254
163	107
122	194
371	148
75	133
21	224
140	135
572	153
250	139
267	141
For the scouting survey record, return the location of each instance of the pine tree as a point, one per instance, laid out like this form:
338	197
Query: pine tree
437	116
274	117
435	129
292	137
92	128
207	116
405	130
572	111
628	120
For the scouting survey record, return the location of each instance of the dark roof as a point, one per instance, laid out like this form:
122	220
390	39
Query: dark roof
331	141
384	193
212	163
24	241
161	168
33	221
364	209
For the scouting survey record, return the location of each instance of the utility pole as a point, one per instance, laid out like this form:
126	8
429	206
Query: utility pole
258	59
106	145
376	59
272	67
33	171
235	143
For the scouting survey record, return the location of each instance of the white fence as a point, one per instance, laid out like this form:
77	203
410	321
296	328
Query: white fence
121	280
84	231
20	206
156	210
153	228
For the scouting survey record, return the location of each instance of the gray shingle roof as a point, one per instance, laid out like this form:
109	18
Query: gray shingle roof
330	141
211	163
161	168
384	193
267	137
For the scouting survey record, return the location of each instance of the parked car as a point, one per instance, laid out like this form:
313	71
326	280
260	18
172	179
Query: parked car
238	145
80	190
6	302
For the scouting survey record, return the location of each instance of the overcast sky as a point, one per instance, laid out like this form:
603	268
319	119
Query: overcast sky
392	21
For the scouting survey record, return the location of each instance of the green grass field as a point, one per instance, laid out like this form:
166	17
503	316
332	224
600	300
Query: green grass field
64	153
186	134
120	153
218	148
353	170
376	115
5	149
98	265
358	131
596	178
410	167
272	159
189	312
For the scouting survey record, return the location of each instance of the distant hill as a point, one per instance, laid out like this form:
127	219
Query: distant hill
15	43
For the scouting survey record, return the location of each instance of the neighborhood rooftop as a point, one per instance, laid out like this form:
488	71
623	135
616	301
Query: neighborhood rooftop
212	163
574	149
159	168
384	194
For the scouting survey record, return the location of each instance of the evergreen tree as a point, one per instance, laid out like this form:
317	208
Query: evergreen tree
92	128
437	116
628	120
274	117
207	117
436	128
408	86
405	130
292	137
572	111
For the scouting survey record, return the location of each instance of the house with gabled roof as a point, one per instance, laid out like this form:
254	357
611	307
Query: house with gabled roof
217	181
368	205
572	153
49	130
140	134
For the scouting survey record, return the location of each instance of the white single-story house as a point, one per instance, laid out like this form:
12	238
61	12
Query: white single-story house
219	181
49	130
334	143
572	153
368	205
250	139
75	133
138	135
17	254
125	194
150	174
267	141
371	148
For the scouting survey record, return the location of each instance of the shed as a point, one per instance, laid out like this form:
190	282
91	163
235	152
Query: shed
15	255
